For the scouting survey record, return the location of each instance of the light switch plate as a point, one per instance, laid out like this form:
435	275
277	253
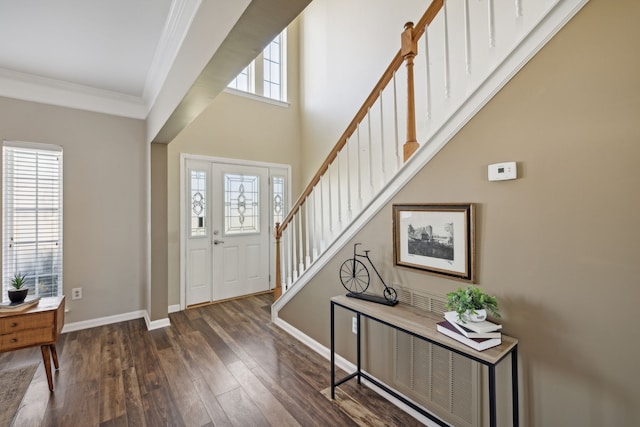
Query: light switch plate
503	171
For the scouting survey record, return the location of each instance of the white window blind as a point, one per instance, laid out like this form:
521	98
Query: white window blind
32	217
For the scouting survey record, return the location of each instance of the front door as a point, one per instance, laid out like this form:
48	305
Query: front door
240	230
228	231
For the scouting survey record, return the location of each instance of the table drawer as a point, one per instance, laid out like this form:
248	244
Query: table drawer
26	338
11	324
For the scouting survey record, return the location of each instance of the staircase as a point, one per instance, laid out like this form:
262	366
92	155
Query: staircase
450	64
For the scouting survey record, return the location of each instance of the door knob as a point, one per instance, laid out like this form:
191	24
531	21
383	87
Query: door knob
217	242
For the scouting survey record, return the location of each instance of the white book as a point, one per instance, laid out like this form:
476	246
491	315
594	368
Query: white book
480	327
479	344
452	317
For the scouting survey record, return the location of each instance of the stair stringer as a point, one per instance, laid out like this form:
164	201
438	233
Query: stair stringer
558	16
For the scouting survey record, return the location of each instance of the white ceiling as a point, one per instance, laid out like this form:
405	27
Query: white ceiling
102	44
85	49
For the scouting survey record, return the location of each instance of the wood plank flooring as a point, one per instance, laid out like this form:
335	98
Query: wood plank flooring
219	365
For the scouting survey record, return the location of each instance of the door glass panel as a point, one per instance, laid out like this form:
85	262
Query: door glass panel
241	204
198	203
278	200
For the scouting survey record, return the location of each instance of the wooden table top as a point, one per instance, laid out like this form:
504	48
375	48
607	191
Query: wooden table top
423	323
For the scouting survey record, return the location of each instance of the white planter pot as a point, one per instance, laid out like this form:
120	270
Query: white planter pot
479	316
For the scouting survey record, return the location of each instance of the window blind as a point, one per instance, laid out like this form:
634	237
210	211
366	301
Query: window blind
32	216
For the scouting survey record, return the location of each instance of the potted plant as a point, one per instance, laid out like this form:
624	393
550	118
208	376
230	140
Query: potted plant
19	291
472	304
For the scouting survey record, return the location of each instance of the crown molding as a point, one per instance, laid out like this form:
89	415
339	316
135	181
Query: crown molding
29	87
181	15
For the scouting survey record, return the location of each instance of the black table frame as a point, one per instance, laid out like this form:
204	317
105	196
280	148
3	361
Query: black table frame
360	374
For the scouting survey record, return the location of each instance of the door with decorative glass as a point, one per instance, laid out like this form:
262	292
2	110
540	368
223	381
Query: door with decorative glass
240	230
227	253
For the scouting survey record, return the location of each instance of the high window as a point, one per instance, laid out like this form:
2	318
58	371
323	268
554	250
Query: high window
32	217
266	75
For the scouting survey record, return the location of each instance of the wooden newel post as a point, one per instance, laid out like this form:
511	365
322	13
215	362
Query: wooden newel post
408	51
277	290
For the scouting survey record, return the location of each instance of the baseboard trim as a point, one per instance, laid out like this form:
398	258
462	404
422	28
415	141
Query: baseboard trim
174	308
102	321
346	365
156	324
117	318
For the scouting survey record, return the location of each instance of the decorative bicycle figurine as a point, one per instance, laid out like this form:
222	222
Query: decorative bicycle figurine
355	277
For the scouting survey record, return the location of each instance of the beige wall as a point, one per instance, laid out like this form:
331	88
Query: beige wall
159	280
104	202
236	127
345	48
559	247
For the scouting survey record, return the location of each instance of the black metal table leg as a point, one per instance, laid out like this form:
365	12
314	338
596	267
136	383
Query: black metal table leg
333	354
514	386
358	345
492	396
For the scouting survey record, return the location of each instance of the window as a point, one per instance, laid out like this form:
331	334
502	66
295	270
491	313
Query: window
32	217
241	204
266	75
272	70
198	203
278	199
244	80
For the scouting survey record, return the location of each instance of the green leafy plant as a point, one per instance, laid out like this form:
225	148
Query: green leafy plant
471	299
18	280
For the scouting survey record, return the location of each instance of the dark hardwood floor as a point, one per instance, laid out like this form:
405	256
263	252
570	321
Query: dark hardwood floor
219	365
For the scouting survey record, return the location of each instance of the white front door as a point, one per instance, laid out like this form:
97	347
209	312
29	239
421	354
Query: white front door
228	229
240	230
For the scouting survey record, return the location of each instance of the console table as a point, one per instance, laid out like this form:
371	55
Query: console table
422	325
39	325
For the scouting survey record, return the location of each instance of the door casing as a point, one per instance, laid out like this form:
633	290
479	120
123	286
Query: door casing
274	169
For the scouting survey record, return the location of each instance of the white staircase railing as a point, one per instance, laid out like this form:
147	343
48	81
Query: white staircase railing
458	56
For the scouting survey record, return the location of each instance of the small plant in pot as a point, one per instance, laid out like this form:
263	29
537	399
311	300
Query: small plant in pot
19	291
472	304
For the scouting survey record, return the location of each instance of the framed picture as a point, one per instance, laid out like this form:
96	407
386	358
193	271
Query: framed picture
438	239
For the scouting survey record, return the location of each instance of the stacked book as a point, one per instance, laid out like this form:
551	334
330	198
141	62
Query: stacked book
16	307
477	335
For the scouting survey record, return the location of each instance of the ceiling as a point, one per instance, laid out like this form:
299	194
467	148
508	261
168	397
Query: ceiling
106	45
117	56
99	55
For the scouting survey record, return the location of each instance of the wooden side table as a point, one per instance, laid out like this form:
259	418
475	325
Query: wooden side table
40	325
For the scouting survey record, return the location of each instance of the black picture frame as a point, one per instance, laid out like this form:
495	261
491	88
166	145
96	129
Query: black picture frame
436	238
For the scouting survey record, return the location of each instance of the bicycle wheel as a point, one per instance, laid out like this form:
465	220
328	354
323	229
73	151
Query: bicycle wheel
390	294
354	276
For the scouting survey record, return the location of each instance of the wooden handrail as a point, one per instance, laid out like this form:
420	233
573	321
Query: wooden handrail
395	64
427	18
351	128
417	31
